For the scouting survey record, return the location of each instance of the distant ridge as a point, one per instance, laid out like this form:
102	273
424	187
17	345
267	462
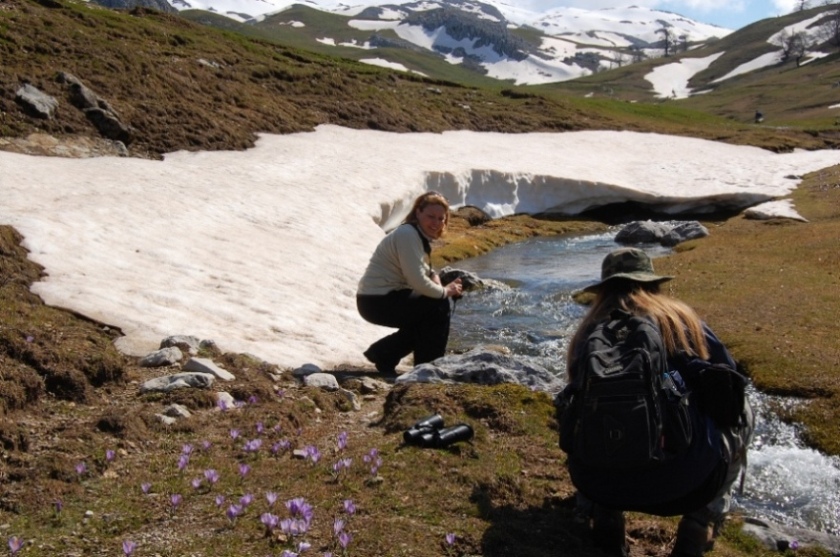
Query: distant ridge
489	38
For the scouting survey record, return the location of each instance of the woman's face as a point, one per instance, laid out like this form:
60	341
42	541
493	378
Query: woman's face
432	219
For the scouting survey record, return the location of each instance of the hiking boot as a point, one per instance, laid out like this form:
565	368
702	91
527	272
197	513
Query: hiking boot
608	531
385	367
694	538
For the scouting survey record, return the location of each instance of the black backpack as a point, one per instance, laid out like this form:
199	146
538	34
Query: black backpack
625	410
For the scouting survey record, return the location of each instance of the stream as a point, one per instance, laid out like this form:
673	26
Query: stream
786	482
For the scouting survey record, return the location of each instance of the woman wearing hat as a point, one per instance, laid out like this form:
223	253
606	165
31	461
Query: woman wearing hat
629	283
399	289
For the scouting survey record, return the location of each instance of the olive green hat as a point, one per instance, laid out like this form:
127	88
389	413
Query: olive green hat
627	263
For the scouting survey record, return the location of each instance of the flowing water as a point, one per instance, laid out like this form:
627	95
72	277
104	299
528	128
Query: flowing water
531	312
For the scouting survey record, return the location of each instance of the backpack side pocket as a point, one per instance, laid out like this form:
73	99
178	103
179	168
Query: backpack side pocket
676	405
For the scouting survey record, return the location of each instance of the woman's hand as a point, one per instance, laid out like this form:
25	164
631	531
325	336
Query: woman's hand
454	289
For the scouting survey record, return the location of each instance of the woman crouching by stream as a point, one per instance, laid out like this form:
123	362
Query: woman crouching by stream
401	290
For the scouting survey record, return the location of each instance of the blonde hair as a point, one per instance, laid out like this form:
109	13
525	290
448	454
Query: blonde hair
681	327
428	198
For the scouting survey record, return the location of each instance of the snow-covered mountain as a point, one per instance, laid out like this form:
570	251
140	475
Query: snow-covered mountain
489	36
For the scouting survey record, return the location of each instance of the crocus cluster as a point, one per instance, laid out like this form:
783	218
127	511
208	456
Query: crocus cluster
298	520
374	460
312	453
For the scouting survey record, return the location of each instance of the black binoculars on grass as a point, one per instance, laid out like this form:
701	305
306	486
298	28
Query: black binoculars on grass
429	432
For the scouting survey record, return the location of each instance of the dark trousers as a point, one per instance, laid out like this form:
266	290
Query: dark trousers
422	325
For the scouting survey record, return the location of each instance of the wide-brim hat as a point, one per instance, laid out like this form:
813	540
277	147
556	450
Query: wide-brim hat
630	264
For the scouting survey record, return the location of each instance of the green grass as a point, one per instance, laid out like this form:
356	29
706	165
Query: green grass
781	331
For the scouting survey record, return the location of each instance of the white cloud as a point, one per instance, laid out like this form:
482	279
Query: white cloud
785	6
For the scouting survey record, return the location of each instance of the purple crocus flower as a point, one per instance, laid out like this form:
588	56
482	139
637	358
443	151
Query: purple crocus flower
220	500
252	446
303	546
349	506
338	526
289	526
244	469
246	500
15	544
342	464
270	521
205	445
183	460
450	538
342	440
288	553
233	512
260	428
344	538
145	487
187	449
109	455
81	468
271	497
312	453
298	507
128	547
211	475
175	499
234	434
196	483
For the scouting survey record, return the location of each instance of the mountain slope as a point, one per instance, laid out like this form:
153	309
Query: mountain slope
743	74
488	38
179	85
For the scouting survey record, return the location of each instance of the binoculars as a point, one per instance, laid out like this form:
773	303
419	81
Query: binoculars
429	432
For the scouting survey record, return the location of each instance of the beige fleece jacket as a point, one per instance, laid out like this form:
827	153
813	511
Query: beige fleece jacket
399	262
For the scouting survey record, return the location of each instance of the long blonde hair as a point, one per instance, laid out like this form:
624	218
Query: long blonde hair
681	327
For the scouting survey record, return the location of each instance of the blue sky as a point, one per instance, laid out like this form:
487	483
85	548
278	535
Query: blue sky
732	14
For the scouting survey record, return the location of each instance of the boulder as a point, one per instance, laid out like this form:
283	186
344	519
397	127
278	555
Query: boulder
649	232
177	381
188	344
103	117
203	365
351	398
36	102
306	370
225	400
777	537
683	232
177	411
642	232
470	281
484	367
164	357
325	381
